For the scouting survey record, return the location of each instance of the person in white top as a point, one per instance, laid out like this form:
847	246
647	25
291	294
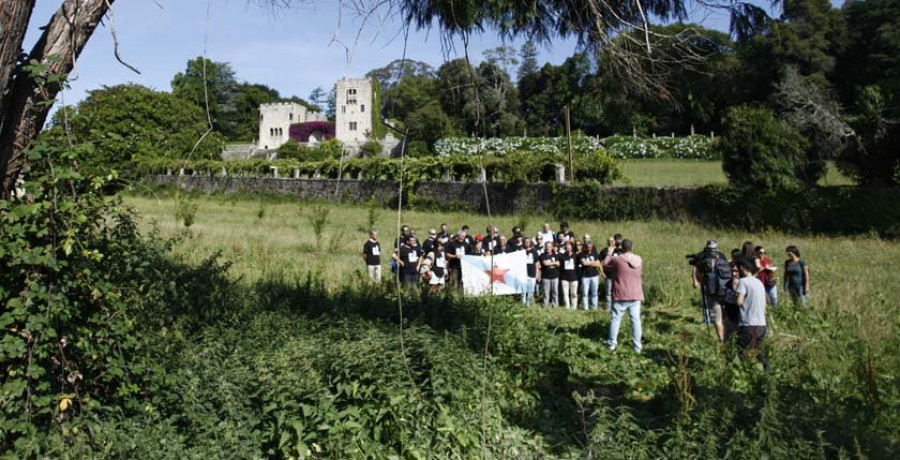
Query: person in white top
546	235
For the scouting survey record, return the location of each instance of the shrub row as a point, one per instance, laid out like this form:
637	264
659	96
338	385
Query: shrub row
831	210
683	148
517	167
623	147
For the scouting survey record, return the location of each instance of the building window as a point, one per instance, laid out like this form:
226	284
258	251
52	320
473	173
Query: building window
351	92
271	131
352	126
292	117
362	108
343	109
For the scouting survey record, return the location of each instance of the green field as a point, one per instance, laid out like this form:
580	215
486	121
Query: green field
683	173
548	387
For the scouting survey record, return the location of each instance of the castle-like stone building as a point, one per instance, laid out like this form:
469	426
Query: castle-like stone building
354	118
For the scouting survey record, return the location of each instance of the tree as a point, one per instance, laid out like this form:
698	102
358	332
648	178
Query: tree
218	91
528	63
503	57
762	152
398	69
28	91
317	97
429	124
331	104
126	124
249	98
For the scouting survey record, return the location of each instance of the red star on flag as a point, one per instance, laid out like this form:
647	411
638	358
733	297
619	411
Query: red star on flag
496	274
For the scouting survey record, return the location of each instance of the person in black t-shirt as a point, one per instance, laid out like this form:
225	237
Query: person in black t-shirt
590	276
455	252
444	235
568	277
408	260
428	245
371	253
532	268
550	275
438	268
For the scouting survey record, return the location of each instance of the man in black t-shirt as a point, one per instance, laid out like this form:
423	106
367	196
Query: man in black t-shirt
408	260
532	267
590	276
550	275
428	245
371	253
454	253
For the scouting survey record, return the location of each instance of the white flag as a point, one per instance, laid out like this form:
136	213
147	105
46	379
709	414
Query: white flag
505	274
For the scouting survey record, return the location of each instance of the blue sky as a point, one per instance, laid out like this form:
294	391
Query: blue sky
290	50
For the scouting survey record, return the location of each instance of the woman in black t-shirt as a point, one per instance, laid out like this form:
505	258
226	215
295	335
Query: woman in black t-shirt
532	267
438	268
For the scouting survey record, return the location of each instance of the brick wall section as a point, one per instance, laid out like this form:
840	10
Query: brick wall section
672	203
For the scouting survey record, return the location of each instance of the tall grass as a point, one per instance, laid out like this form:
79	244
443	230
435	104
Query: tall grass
833	389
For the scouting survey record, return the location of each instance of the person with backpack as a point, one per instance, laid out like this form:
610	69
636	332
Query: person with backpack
712	273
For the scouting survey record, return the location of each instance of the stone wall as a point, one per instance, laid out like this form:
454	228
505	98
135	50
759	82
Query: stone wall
670	203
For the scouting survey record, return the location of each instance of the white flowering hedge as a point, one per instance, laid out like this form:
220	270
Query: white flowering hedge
684	148
581	145
622	147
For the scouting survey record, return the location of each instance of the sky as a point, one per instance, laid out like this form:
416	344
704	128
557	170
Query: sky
292	50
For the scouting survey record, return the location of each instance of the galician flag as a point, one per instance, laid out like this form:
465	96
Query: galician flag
505	274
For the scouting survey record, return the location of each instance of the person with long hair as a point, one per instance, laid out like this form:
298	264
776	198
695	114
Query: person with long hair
796	276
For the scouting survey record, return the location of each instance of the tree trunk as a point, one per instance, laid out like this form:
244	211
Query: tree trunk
14	18
27	105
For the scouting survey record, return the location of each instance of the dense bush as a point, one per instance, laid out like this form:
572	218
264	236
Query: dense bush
84	305
130	123
293	150
760	151
683	148
832	210
371	148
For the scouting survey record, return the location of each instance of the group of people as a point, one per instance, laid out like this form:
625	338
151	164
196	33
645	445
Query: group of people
737	291
562	268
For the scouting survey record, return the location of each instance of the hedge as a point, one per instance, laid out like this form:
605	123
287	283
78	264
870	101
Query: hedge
514	168
682	148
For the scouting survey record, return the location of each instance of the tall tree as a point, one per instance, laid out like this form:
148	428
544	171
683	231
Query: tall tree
317	97
209	84
398	69
528	63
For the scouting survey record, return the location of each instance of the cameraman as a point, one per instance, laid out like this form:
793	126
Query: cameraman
711	273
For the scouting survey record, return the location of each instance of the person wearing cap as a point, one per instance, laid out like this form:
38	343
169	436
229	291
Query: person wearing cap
712	301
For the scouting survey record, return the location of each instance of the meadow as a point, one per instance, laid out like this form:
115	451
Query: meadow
687	173
319	346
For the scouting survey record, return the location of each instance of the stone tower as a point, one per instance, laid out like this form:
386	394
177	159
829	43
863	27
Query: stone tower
275	122
353	107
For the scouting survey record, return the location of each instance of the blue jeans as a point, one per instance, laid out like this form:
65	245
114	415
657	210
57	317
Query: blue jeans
634	311
607	284
589	287
772	294
528	293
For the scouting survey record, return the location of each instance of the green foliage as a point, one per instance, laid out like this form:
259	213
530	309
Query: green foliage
130	123
832	210
378	128
185	209
293	150
318	219
512	168
84	297
762	152
371	148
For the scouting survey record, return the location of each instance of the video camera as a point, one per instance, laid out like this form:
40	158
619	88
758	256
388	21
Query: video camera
703	260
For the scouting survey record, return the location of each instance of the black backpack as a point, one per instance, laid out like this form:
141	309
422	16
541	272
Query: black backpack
716	273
